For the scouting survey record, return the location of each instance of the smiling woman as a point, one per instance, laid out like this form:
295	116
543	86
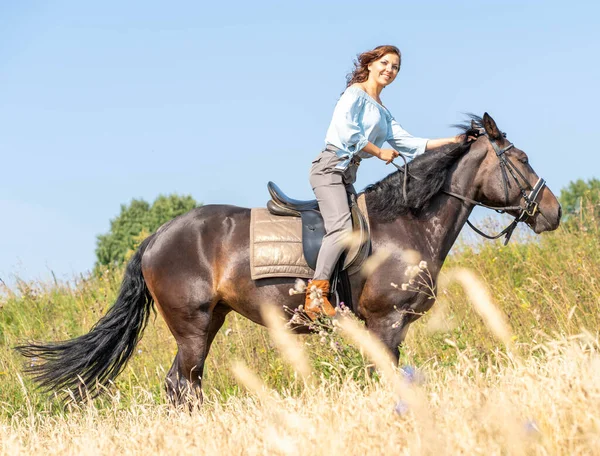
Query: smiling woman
359	127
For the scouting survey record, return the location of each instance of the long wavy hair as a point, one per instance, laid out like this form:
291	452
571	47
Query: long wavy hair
361	64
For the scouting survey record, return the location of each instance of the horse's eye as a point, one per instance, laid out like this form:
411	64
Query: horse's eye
524	160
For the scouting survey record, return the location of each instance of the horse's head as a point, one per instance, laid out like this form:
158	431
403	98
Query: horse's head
505	178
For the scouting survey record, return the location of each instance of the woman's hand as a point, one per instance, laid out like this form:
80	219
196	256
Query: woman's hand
387	155
468	137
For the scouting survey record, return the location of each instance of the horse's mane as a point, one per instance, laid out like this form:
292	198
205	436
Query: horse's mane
385	199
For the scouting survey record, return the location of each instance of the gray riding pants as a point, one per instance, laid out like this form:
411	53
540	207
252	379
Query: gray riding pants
331	187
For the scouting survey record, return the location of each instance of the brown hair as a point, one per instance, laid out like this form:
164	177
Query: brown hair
361	70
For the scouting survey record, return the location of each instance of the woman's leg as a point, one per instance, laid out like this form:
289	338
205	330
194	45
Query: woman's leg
332	197
333	204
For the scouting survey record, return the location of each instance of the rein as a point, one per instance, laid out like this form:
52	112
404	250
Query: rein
507	167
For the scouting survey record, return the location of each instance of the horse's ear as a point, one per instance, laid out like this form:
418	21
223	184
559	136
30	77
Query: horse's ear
490	127
474	125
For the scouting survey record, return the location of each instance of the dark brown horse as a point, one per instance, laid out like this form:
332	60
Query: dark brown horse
196	268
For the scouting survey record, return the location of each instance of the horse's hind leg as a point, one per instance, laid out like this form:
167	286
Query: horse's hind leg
184	379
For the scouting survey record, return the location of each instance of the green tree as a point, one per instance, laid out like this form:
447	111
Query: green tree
578	193
135	222
581	205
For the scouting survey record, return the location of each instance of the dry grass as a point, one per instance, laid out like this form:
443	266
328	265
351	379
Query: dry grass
510	371
546	405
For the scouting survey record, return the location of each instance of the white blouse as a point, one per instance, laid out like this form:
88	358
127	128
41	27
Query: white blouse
358	119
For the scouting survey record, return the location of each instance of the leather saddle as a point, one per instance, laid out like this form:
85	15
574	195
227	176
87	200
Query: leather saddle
313	228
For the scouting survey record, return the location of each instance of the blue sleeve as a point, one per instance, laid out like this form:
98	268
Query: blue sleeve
346	124
404	142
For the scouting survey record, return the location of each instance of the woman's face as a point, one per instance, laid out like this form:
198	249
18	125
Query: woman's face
384	70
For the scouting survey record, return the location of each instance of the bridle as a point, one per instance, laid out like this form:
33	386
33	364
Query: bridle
508	168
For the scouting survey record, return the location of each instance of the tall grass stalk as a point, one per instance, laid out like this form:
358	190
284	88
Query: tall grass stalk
473	398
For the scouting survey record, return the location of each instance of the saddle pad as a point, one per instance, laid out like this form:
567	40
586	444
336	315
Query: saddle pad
276	246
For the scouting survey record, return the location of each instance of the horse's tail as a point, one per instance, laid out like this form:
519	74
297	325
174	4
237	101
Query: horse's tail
91	361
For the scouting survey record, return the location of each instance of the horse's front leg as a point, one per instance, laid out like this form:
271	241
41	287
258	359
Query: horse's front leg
391	329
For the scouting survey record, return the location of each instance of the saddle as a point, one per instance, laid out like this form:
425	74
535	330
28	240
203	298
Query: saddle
313	228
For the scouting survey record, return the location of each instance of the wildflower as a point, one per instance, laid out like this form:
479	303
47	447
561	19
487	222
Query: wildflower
139	351
395	285
412	271
299	287
317	302
423	265
411	282
343	309
412	375
401	408
316	295
531	427
404	286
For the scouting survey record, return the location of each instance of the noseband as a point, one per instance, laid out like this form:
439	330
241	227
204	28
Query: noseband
507	167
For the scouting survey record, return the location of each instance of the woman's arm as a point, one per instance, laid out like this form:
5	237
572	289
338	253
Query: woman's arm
435	143
458	139
345	130
386	155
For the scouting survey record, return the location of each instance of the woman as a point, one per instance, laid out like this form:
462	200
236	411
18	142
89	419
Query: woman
359	127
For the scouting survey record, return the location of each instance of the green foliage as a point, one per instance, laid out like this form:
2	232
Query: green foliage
572	197
547	286
135	222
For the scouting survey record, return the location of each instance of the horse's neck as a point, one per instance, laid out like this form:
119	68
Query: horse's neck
448	213
450	219
441	222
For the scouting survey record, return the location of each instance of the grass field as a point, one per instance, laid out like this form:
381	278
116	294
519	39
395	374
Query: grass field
528	383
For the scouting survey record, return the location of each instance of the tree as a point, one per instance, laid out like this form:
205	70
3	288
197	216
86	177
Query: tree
581	205
580	193
135	222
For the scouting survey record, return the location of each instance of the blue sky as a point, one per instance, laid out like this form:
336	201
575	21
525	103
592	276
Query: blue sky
102	102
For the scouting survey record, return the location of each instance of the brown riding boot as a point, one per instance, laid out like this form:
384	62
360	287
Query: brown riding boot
316	301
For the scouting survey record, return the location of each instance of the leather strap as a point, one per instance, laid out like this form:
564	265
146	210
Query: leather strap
362	205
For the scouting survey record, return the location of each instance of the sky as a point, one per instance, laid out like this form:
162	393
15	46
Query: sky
102	102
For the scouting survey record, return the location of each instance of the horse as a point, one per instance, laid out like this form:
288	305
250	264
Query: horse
196	268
